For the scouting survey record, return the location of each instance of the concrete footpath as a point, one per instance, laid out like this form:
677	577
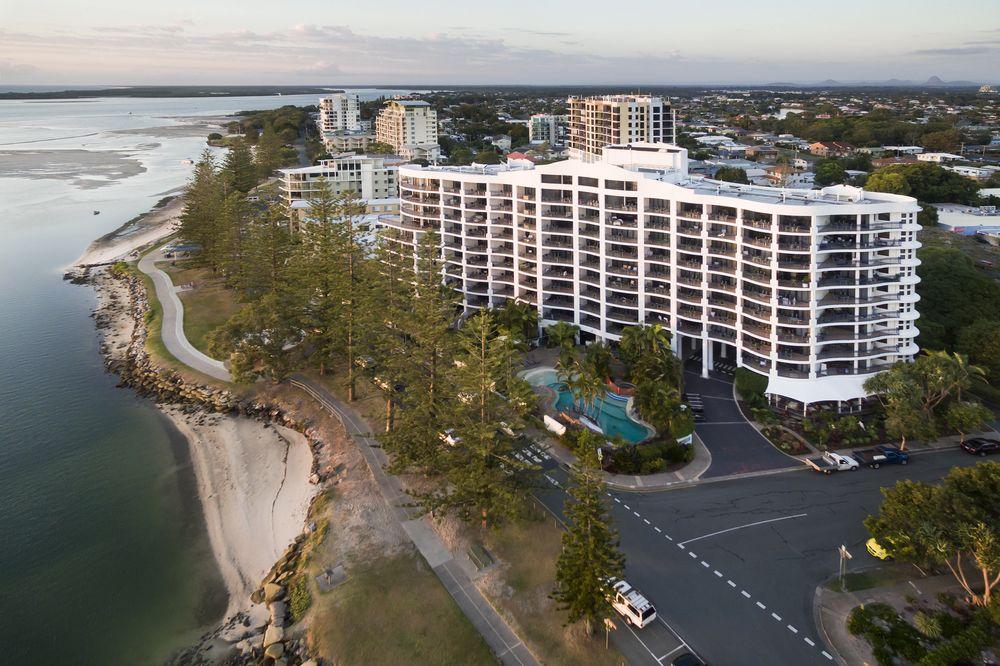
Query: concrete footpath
172	330
494	629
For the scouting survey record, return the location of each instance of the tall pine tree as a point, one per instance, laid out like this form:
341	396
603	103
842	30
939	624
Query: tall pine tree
238	169
590	559
202	200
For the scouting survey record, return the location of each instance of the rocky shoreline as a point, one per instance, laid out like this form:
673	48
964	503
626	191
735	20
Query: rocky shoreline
249	636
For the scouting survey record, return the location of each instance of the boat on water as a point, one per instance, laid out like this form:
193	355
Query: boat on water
97	212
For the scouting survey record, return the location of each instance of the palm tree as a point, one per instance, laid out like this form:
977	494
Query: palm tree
562	334
519	318
644	347
597	360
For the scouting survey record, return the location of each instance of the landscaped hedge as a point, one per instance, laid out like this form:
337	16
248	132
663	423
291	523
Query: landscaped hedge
750	383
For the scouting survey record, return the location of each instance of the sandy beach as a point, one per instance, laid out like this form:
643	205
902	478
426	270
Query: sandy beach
254	488
148	228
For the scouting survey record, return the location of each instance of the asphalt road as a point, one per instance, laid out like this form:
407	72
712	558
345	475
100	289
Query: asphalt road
735	445
732	566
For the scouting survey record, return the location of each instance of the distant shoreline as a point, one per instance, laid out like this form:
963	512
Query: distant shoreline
192	91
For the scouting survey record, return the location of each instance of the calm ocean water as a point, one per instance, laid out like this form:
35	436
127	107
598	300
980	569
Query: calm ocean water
104	554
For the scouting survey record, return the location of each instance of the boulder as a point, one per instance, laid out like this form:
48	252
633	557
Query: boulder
279	610
273	635
272	592
274	650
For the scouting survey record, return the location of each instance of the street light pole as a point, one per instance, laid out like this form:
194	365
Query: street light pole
844	556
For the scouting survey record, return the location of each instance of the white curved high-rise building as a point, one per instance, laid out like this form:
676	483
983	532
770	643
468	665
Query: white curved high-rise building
813	288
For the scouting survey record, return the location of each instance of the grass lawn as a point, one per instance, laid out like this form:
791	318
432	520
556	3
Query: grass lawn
529	550
879	577
206	307
395	611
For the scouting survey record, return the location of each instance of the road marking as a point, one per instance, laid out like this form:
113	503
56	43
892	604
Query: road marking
646	520
636	513
745	593
705	564
740	527
809	642
761	606
776	616
694	555
618	500
718	573
627	507
640	641
609	494
730	583
658	529
682	645
669	537
680	545
793	629
827	655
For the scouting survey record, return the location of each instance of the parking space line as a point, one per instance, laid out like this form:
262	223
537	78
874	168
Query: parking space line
679	647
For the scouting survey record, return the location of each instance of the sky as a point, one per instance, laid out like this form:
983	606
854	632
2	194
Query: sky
548	42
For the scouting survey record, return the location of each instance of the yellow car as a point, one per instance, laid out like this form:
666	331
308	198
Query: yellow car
876	550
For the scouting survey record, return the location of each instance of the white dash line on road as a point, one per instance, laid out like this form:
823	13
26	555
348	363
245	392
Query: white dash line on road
694	555
637	514
827	655
618	500
718	573
706	564
776	616
761	606
680	545
627	507
646	520
669	537
745	593
609	494
658	529
793	629
809	642
730	583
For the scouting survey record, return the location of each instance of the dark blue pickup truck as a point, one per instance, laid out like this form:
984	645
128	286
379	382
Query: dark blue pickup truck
881	455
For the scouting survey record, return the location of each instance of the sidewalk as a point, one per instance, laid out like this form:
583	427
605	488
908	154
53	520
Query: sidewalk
494	629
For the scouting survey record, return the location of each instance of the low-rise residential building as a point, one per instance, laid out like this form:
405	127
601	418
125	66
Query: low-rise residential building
372	177
340	142
974	172
762	153
879	162
831	149
410	127
938	158
548	128
596	122
969	220
814	289
903	150
784	175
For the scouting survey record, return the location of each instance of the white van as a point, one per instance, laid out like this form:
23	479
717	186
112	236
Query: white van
630	603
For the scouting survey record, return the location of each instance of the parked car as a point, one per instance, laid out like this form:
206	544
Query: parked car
877	550
980	446
687	659
881	455
831	462
629	602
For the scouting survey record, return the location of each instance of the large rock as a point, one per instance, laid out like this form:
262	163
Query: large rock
274	650
279	611
272	592
273	635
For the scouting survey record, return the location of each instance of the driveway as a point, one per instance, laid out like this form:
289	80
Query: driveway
735	445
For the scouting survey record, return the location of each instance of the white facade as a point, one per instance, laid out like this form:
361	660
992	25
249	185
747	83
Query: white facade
596	122
813	288
938	158
372	178
340	112
410	127
547	128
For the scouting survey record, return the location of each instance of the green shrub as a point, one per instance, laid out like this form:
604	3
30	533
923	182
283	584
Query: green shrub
966	646
750	383
299	598
928	625
890	636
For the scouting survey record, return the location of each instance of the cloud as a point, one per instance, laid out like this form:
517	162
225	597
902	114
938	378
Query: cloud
955	51
321	68
13	70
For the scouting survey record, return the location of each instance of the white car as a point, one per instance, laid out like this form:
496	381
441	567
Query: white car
629	602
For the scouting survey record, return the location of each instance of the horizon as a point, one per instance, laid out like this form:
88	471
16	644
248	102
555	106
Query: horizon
564	43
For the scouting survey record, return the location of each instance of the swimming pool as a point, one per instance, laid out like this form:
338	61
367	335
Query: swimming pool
610	414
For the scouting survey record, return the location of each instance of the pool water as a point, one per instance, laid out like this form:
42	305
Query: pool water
610	414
